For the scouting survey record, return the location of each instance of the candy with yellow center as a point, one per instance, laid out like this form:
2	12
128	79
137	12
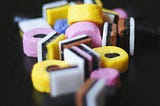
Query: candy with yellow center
85	12
113	57
40	75
53	47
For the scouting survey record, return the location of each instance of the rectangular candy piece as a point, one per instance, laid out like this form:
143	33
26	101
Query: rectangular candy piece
30	24
53	47
42	45
95	56
91	93
65	80
110	16
109	37
87	61
75	41
54	11
74	59
86	56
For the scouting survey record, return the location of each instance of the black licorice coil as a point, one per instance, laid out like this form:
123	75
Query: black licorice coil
134	31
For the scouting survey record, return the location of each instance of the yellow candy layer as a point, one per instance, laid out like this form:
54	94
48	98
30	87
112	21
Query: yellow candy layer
53	47
21	33
119	62
40	76
109	11
85	12
99	2
53	14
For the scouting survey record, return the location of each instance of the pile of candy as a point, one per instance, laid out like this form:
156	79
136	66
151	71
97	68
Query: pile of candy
84	52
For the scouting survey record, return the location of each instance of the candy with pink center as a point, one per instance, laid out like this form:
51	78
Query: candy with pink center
31	38
89	28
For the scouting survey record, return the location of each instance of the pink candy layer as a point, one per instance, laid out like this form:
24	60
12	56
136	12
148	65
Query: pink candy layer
88	28
30	42
87	56
122	13
110	75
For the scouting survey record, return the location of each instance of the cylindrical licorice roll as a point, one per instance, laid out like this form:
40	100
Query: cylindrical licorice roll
40	75
126	34
113	57
31	38
110	75
88	28
85	12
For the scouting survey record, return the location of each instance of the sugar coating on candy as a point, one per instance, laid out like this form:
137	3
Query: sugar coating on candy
109	75
88	28
40	75
85	12
31	39
121	12
61	25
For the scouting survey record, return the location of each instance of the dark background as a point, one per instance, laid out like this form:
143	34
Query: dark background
140	85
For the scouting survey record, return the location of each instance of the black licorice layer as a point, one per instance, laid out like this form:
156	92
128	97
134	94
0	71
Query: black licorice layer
112	55
86	65
116	18
95	59
39	35
108	42
44	44
77	40
123	41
